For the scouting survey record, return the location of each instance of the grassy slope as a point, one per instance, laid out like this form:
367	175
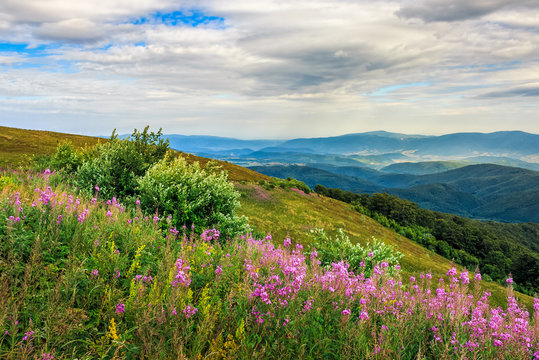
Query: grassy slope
17	145
280	211
283	212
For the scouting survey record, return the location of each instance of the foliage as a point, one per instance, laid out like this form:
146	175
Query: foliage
89	279
467	242
116	164
288	183
191	195
336	248
66	157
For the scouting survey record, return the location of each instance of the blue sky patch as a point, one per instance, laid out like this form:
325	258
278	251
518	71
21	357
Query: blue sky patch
27	50
192	18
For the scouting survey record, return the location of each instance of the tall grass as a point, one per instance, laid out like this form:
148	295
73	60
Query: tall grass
91	278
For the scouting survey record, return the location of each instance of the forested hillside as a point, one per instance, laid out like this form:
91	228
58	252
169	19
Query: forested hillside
496	248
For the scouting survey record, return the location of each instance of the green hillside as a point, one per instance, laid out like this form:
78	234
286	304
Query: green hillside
17	146
141	253
279	211
422	168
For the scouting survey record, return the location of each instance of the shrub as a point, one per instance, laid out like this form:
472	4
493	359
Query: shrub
339	247
192	195
66	157
115	166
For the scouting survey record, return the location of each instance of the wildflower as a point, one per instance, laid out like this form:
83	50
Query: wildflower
189	311
155	218
371	254
287	242
452	272
509	281
109	213
346	312
120	308
412	279
47	171
218	270
137	202
96	188
314	254
464	277
478	277
28	335
95	272
363	315
47	356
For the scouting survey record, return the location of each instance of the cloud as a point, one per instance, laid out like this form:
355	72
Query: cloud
265	66
529	91
457	10
72	30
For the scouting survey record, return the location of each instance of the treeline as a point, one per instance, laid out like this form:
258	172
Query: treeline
491	246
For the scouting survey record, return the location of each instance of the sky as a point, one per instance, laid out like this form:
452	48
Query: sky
270	68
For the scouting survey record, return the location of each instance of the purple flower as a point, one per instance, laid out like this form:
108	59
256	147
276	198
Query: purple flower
287	242
218	270
509	281
28	335
96	188
120	308
95	272
189	311
137	202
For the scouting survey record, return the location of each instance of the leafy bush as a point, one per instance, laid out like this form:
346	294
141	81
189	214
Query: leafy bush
339	247
287	183
66	157
192	195
115	166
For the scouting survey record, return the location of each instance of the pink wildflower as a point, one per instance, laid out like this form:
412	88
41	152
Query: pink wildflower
120	308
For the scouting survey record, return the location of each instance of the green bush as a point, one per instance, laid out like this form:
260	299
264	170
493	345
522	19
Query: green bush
116	165
192	195
66	158
339	247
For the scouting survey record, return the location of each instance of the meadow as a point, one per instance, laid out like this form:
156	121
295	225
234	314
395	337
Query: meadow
99	263
91	278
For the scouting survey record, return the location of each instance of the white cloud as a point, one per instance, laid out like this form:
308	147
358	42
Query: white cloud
271	68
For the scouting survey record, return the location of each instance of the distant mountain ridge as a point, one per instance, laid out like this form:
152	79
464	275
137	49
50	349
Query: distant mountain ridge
458	144
376	141
512	148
